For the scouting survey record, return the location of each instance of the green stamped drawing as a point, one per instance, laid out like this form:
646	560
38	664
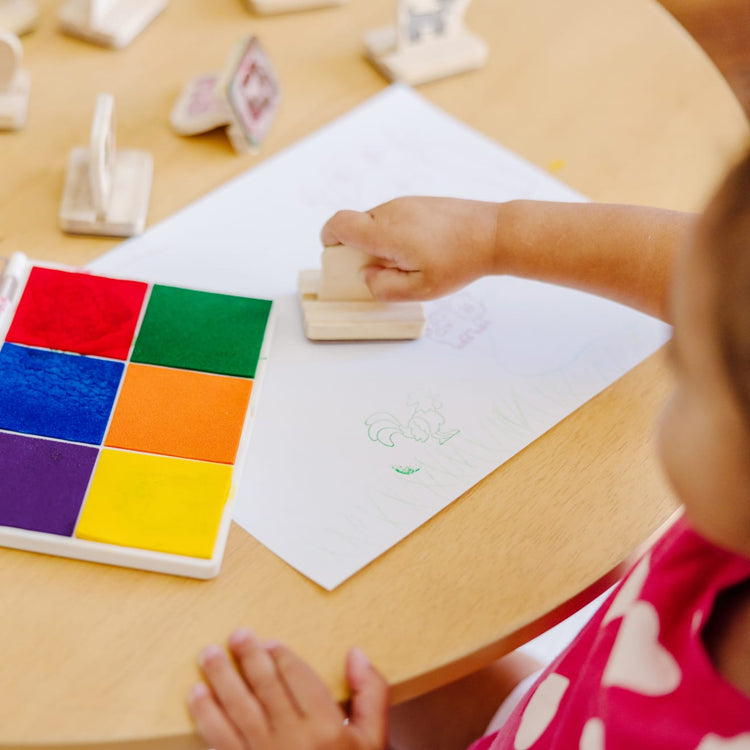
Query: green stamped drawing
425	423
406	470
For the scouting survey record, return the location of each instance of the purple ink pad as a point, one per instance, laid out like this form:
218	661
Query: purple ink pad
44	483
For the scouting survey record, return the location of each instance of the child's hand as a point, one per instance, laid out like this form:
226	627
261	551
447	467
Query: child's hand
271	700
427	246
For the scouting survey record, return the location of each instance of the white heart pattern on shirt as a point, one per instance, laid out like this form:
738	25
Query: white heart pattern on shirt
638	661
714	742
592	737
540	710
629	591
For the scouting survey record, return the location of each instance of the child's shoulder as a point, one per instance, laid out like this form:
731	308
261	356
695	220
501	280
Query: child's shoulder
691	578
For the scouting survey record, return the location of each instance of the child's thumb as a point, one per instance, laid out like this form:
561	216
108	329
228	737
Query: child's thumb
369	703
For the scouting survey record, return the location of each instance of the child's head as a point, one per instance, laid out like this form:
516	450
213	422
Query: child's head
705	430
729	220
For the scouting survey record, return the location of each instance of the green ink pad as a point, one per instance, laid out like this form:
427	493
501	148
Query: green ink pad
206	331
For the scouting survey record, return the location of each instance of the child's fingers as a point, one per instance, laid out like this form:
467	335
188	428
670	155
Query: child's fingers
211	722
232	694
394	285
308	690
369	703
354	228
259	670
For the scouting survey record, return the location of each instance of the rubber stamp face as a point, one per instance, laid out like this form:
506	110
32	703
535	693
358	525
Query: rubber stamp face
254	92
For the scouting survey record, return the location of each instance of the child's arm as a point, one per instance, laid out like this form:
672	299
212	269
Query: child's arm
269	698
432	246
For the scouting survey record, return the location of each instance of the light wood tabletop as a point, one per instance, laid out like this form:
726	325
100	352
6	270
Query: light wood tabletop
610	95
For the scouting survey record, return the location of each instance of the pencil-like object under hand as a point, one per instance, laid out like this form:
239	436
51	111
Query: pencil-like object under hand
9	284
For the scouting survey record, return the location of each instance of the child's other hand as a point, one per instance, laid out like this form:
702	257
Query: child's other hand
428	247
271	700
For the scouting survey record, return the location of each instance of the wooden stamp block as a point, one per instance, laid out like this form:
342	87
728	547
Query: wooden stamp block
200	107
243	98
111	23
341	275
106	191
337	304
270	7
18	16
14	83
429	41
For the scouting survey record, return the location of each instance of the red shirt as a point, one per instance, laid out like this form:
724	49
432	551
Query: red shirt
638	676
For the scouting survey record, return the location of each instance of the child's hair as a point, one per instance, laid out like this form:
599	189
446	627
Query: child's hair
729	226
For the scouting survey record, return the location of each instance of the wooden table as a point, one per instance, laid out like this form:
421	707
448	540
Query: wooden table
611	95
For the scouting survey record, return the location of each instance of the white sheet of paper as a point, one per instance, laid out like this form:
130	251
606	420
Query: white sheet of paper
355	445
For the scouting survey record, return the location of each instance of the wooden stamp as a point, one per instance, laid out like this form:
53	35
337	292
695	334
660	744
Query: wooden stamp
429	41
337	304
18	16
106	191
200	107
270	7
111	23
14	83
243	98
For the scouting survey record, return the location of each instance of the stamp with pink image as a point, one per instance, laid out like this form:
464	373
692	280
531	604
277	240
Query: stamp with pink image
243	98
253	93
